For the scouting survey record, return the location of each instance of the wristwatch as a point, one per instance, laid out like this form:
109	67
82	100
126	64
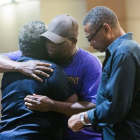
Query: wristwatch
82	118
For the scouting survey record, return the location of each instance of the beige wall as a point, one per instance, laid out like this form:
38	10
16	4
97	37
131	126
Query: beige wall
12	17
133	18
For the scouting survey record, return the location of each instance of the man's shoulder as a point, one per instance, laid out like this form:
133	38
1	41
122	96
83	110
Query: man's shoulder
25	59
127	47
53	65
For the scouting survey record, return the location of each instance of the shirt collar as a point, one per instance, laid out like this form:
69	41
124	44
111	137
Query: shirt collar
113	46
25	58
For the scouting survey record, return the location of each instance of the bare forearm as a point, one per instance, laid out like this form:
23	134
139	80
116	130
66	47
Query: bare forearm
7	65
69	107
29	68
72	108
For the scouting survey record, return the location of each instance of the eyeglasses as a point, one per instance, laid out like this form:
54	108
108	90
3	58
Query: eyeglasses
89	40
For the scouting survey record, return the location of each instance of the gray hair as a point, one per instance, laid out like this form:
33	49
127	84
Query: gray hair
100	15
29	39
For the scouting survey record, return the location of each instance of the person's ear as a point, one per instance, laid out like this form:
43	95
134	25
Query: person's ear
107	28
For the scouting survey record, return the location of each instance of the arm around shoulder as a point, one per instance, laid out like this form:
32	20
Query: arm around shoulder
7	65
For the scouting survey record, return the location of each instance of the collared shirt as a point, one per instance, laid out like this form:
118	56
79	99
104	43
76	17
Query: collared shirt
118	98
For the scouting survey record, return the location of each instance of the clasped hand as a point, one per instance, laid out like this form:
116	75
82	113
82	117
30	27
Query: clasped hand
34	68
39	103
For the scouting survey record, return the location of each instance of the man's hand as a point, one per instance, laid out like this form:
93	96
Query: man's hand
39	103
33	68
75	124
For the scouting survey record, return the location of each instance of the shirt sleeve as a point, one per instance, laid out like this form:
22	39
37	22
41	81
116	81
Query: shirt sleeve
13	55
91	78
58	85
119	92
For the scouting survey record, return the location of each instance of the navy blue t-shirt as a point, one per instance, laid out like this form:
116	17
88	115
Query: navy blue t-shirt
17	121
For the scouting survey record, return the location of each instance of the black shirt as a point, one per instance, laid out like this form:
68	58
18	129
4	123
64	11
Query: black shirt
17	121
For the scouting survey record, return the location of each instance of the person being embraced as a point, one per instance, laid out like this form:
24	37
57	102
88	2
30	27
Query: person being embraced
17	121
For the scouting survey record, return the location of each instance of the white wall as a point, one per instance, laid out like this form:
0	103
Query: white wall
12	17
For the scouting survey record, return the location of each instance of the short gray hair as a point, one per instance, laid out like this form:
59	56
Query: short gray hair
100	15
29	39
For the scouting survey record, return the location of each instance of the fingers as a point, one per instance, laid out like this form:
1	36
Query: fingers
35	103
41	73
36	77
39	63
30	99
34	68
43	68
81	129
74	123
76	130
30	106
33	97
30	102
37	95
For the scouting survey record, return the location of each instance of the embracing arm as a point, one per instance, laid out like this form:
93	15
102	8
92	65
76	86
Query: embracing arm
69	107
7	65
72	108
43	104
30	68
89	89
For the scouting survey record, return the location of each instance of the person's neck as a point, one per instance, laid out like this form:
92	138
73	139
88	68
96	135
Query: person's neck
117	33
68	58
